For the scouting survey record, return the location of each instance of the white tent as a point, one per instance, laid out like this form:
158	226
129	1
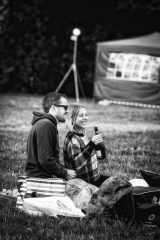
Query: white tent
129	70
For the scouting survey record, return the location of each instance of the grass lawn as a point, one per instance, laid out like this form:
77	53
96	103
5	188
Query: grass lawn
132	139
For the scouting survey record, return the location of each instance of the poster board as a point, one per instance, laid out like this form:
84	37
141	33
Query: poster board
133	67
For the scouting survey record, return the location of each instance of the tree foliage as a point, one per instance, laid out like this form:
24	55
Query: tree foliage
34	60
149	6
26	48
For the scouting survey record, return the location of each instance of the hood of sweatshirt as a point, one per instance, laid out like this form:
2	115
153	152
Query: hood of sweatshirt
38	116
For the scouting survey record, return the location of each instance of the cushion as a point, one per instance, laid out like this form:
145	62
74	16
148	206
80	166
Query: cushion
153	179
46	186
39	187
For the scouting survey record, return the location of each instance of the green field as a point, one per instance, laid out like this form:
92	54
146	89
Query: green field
132	140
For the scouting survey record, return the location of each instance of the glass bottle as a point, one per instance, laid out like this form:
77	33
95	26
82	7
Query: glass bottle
100	148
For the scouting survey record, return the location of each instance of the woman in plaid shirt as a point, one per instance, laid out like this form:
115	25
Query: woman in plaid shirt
79	153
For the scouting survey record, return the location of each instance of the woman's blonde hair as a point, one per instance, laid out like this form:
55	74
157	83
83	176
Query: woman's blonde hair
74	112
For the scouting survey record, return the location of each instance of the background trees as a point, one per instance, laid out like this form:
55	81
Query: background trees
35	46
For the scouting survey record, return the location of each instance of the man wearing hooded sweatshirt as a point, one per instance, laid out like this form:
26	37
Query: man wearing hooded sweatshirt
43	141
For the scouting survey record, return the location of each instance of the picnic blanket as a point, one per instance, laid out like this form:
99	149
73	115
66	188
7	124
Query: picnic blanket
39	196
52	206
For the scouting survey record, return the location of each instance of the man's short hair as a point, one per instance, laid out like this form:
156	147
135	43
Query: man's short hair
50	99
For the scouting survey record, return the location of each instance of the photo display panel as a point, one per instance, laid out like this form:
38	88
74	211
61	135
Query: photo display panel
133	67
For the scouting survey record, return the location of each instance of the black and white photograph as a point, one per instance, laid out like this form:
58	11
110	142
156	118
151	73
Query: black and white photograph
79	120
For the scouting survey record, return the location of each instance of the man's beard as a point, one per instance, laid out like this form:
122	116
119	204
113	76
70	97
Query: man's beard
62	120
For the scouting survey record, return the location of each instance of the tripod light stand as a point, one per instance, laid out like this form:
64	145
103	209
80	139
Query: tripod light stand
76	32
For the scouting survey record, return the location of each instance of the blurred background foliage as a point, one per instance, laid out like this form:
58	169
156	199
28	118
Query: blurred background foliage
35	46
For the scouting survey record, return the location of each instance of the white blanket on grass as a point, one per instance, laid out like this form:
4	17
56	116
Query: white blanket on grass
51	206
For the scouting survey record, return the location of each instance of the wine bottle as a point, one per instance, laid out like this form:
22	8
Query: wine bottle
100	148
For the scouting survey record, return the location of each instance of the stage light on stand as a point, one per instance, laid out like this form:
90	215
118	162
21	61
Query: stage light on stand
76	32
74	37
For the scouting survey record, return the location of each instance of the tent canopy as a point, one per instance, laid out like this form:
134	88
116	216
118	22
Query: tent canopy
146	49
145	44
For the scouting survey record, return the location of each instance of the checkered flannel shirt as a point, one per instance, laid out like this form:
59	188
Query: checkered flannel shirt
79	155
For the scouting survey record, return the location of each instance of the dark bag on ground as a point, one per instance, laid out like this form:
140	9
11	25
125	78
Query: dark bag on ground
141	206
113	200
117	199
147	205
146	201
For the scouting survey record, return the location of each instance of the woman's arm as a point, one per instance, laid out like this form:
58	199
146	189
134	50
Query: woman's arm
77	156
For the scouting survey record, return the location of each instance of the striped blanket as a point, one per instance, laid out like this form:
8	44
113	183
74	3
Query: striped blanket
39	187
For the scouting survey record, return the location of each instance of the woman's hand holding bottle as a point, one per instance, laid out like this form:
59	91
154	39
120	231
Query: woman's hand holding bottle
100	147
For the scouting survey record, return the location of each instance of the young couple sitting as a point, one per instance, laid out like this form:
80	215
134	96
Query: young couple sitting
80	160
